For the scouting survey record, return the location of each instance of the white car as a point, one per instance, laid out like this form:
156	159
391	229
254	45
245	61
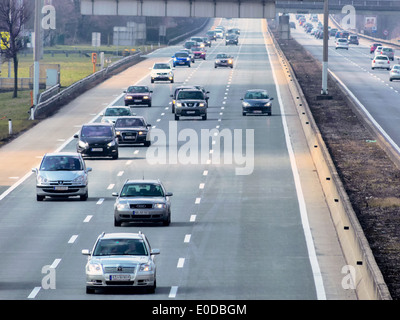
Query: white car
378	50
342	43
162	72
110	114
381	62
395	72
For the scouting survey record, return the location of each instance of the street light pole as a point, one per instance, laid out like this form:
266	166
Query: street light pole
36	53
324	90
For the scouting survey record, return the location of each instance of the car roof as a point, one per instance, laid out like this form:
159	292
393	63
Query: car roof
98	124
130	117
63	153
129	181
255	90
124	235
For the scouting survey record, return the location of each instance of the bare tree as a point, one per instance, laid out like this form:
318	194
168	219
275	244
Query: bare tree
13	16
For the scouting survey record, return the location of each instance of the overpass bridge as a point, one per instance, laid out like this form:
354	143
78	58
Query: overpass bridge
231	8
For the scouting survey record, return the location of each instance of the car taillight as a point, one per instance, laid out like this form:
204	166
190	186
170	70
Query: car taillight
373	61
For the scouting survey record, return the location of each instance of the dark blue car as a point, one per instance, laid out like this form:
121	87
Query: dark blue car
181	59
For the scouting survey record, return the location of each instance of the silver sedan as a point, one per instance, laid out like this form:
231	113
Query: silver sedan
395	72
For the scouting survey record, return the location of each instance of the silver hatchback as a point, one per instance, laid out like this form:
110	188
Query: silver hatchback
395	72
62	174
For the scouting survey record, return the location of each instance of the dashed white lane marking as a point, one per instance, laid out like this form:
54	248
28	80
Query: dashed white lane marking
100	201
121	173
201	186
172	292
55	263
205	172
128	162
88	218
192	218
187	238
197	200
181	262
110	186
136	152
73	238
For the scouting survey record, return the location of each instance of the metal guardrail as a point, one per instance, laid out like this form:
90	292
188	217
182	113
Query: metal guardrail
188	34
50	105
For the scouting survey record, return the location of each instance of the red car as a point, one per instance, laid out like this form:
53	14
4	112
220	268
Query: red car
199	53
374	46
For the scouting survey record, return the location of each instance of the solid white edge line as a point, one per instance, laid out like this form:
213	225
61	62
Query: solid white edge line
318	281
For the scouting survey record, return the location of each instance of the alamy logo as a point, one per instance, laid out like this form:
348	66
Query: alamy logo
349	20
49	20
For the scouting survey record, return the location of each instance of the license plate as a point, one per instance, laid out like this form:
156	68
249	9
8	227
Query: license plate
130	137
257	111
97	149
190	112
61	188
120	277
140	212
137	100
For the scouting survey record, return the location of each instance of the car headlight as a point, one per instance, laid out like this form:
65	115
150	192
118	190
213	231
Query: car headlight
267	104
41	180
178	104
159	206
142	133
94	269
145	267
111	143
202	104
123	206
128	97
83	144
230	61
246	104
79	179
187	59
145	97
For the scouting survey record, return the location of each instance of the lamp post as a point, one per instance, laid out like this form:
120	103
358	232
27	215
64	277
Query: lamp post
36	52
324	90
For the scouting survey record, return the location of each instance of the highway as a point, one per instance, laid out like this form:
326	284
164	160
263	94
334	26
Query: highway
254	226
372	88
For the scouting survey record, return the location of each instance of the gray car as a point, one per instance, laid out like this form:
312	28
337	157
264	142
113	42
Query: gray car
62	174
257	101
142	201
133	130
121	260
191	103
395	72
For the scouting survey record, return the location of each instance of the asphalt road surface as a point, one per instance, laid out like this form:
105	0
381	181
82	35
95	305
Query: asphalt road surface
250	224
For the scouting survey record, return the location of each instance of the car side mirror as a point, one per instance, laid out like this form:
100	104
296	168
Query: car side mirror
169	194
151	91
148	125
86	252
241	98
76	136
155	251
114	194
35	170
271	98
124	91
89	169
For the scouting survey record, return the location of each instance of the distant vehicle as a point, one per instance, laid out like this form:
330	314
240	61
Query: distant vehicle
353	39
292	25
333	31
378	50
133	130
191	103
374	46
380	62
120	260
199	53
231	39
211	34
233	30
207	41
257	101
198	40
181	58
342	43
389	52
395	72
162	72
138	95
223	60
190	53
110	114
142	201
62	174
189	44
219	31
97	140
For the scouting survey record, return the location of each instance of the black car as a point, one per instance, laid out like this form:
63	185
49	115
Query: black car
133	130
257	101
353	39
231	39
97	140
138	95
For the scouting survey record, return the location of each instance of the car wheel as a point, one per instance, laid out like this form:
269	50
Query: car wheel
189	65
168	221
152	80
204	117
172	81
117	223
269	113
215	67
176	117
391	79
115	156
173	109
39	198
90	290
372	68
149	105
152	289
84	197
147	144
388	69
243	113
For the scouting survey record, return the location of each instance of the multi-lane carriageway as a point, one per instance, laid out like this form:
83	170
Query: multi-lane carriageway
266	234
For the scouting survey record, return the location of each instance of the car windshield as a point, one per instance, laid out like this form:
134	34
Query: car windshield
222	56
108	247
96	131
128	122
116	112
396	67
256	95
142	190
63	163
138	89
181	55
381	58
197	95
162	66
231	36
